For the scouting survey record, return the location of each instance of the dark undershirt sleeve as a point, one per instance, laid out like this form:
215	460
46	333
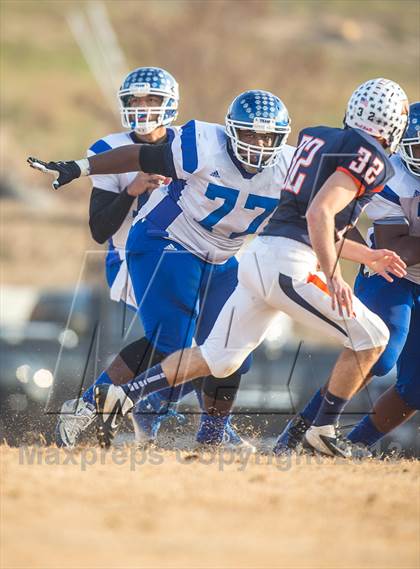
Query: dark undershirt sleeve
157	159
107	212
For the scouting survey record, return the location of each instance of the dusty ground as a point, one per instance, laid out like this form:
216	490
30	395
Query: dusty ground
166	510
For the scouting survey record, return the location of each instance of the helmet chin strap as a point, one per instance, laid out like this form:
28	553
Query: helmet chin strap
246	160
147	129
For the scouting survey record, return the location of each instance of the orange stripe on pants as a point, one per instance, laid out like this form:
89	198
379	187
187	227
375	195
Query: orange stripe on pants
318	282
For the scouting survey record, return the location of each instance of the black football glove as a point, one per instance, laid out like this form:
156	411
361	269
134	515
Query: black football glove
63	172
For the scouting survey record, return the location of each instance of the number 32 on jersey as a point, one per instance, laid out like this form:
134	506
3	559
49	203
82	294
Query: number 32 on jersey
306	152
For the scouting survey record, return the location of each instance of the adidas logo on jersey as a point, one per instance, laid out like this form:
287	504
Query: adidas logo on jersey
170	247
215	174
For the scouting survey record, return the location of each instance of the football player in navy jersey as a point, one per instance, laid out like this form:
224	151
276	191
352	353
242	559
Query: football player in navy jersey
225	184
395	213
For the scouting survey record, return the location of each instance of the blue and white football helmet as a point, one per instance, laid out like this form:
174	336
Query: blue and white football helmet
262	112
410	139
140	83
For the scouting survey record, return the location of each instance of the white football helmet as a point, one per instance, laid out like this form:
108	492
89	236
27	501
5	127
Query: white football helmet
379	107
148	81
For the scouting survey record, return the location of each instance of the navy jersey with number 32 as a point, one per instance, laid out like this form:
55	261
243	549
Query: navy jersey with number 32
320	152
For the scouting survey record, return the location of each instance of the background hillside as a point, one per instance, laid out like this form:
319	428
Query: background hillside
311	53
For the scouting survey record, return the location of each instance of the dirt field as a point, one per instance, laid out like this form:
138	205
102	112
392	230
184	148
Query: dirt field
129	509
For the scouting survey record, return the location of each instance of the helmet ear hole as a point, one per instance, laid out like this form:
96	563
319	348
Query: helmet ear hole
278	140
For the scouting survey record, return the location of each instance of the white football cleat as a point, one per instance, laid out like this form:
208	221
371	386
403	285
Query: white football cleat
75	417
327	439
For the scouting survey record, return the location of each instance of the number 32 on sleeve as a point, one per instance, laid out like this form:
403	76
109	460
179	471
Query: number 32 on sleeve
359	165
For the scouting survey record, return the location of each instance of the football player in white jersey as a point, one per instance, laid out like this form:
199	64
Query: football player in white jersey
395	213
148	102
225	184
148	99
321	198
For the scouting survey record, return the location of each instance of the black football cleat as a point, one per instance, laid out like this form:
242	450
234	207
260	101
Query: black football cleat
292	435
111	404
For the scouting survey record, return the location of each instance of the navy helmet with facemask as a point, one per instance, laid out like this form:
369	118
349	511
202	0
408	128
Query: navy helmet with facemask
410	139
263	113
140	83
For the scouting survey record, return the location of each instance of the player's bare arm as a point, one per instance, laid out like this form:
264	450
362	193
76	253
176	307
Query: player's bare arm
337	192
116	161
381	261
393	233
130	158
353	247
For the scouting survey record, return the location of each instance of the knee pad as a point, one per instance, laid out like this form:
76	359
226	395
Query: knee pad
222	389
140	355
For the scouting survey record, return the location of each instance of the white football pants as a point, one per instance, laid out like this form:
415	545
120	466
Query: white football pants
280	274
